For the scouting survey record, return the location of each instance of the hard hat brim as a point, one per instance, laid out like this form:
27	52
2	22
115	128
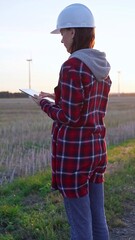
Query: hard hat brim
56	31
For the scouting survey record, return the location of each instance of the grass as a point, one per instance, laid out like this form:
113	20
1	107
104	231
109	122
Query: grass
120	182
29	210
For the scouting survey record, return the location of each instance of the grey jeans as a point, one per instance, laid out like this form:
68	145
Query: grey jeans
86	215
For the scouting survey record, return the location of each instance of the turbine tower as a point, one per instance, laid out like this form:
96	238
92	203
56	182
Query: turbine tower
29	61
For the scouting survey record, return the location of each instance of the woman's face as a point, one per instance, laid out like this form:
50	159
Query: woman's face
67	38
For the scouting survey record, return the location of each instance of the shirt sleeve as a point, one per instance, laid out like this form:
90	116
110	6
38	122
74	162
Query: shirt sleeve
72	96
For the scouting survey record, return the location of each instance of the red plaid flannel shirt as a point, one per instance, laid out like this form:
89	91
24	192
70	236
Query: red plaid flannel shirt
78	144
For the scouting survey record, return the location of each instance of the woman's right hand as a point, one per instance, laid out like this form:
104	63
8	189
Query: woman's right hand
44	94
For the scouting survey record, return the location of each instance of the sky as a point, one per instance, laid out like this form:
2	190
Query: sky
25	27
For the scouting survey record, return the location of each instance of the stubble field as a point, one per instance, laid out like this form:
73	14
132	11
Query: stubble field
25	134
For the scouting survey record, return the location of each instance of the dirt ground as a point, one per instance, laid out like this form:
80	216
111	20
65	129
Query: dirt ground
127	232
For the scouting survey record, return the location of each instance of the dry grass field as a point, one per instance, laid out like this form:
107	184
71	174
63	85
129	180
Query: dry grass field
25	133
24	138
120	119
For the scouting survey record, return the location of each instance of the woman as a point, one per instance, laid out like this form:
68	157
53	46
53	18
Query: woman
78	135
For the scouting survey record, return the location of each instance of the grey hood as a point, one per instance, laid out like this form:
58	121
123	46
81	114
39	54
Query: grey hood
95	60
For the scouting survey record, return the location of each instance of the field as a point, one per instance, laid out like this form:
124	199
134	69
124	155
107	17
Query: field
120	119
28	209
25	133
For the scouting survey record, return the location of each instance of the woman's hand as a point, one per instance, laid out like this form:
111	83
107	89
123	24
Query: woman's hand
38	98
44	95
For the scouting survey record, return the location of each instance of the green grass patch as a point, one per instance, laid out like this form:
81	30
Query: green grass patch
123	152
119	186
29	210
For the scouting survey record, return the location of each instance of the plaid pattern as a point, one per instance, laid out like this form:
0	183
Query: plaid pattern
78	144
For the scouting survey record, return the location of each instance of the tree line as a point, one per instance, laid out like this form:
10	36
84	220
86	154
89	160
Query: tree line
6	94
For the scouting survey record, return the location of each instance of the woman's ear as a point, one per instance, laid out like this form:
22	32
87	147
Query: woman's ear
73	32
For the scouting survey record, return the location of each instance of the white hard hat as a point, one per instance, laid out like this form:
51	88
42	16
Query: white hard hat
75	16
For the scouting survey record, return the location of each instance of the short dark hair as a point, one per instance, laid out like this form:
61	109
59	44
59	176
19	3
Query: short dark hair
84	38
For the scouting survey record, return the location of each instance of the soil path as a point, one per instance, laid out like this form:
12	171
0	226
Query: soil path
127	232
